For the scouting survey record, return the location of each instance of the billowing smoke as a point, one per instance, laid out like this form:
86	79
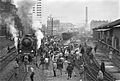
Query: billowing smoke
10	24
24	8
37	26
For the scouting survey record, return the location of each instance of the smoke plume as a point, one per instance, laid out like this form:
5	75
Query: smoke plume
37	26
24	8
10	24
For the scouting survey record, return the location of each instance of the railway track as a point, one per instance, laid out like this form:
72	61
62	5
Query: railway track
94	68
91	70
20	77
108	76
10	57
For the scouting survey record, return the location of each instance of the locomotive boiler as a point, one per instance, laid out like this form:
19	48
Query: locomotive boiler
27	45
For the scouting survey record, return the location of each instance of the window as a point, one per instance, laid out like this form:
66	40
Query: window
38	4
38	8
38	12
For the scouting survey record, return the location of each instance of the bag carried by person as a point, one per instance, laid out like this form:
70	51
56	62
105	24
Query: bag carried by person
46	60
100	75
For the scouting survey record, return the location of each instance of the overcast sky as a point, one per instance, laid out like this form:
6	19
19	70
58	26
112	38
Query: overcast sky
74	10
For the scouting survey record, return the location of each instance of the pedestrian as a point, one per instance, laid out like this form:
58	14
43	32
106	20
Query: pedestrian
81	71
16	67
69	70
95	48
26	62
60	65
82	50
91	58
8	49
110	54
54	68
102	67
42	62
46	63
32	74
100	76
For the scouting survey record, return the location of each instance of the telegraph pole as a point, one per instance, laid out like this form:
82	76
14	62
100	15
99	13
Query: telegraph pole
51	26
86	19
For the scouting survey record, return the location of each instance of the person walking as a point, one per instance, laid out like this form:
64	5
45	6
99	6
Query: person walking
91	57
69	70
54	68
60	65
95	48
42	59
32	74
102	67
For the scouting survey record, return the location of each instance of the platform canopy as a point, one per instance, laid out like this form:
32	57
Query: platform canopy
103	29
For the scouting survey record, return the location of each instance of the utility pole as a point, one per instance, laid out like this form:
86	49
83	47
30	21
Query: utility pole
86	19
51	26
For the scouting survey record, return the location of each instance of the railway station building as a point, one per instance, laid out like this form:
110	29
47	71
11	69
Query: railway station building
109	34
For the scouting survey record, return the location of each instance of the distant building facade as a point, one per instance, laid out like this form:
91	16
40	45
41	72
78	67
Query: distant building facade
37	11
53	26
64	27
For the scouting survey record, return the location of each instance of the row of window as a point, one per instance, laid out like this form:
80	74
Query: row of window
37	12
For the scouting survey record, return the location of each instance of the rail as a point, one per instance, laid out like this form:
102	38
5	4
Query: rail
109	45
4	62
90	72
24	74
12	50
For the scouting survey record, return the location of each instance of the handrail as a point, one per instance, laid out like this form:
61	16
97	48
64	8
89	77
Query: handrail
108	45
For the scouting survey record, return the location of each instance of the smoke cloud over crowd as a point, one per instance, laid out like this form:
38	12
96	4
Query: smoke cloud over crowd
24	7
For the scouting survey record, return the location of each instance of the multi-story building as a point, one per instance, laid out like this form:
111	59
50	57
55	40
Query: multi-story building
65	27
53	26
37	11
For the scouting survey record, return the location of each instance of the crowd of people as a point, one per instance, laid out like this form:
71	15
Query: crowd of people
54	52
60	56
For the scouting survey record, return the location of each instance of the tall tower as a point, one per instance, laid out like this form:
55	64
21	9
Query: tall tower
37	11
86	17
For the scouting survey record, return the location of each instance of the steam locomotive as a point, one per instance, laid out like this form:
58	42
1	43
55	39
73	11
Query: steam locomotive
27	45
